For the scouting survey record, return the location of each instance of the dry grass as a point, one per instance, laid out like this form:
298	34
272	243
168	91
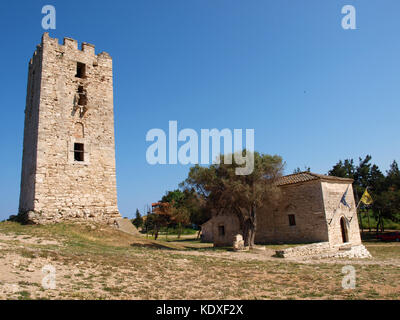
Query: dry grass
106	264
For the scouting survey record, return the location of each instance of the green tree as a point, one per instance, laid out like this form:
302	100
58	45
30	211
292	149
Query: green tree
138	221
182	208
239	195
161	217
343	169
298	170
383	189
393	176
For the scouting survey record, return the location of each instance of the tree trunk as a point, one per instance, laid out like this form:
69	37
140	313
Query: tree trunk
246	233
249	230
369	224
179	230
253	226
198	234
361	224
378	224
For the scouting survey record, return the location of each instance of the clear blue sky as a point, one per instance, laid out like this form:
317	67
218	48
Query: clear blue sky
313	92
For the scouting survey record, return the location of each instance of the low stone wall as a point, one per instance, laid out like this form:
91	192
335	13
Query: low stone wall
322	250
306	250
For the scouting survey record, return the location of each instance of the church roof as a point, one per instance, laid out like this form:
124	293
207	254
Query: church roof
309	176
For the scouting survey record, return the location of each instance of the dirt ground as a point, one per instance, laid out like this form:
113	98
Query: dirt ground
103	263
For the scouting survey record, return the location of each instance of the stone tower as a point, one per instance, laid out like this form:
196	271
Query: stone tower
68	164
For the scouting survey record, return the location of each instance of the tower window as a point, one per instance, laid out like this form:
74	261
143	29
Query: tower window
78	152
80	70
292	220
82	101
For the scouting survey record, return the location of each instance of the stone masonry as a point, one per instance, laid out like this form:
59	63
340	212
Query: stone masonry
68	165
310	210
322	250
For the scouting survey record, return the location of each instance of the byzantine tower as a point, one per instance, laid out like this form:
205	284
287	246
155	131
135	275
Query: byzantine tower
68	163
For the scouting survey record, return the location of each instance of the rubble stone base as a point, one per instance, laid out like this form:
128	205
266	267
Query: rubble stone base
322	250
32	217
358	251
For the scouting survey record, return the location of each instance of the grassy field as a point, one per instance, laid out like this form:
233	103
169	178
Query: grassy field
103	263
389	224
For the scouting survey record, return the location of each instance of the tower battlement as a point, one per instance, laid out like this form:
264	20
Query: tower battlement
68	44
68	166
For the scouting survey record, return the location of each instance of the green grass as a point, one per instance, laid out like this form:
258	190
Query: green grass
389	224
174	231
24	295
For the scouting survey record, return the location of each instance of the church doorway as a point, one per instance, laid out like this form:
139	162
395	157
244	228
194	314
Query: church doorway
343	229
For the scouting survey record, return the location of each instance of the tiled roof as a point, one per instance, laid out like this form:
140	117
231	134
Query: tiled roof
308	176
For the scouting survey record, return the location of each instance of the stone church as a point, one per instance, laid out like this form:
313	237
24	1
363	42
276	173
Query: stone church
68	164
313	208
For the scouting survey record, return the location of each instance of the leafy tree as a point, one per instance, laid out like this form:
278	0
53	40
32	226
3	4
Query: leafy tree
182	206
197	205
393	176
377	180
138	221
343	169
181	217
189	207
148	222
176	196
298	170
385	190
161	217
362	175
239	195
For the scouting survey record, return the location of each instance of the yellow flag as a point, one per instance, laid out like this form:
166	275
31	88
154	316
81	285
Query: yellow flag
366	198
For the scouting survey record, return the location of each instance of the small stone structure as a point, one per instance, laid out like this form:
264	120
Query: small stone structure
68	163
238	243
206	231
310	210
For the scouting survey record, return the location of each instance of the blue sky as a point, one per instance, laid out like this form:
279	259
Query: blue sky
313	92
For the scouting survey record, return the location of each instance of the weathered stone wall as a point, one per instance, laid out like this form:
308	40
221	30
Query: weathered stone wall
305	202
231	229
207	231
335	210
29	153
54	186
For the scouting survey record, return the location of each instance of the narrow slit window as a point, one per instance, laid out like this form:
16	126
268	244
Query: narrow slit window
80	70
221	231
292	220
78	152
